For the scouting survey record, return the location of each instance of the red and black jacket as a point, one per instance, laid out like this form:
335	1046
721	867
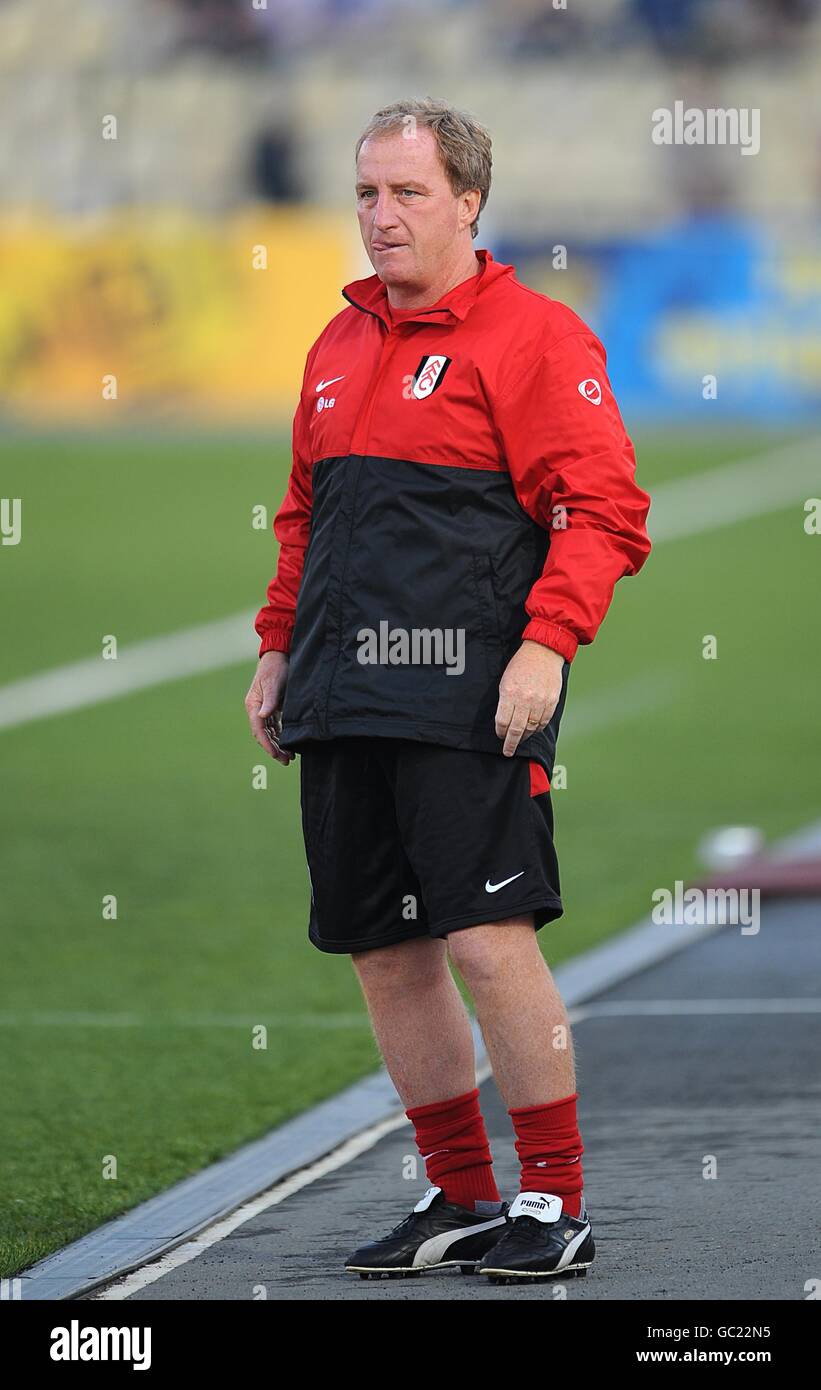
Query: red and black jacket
460	467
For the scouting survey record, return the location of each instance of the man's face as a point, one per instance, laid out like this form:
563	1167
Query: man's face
409	216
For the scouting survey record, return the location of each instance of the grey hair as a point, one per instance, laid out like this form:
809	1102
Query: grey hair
464	145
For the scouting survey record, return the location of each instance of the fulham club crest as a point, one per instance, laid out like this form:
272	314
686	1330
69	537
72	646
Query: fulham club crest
429	374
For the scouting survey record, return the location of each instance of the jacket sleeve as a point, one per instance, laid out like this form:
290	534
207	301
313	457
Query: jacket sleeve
274	622
573	470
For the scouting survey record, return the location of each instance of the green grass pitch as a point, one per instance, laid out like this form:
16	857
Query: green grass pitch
132	1038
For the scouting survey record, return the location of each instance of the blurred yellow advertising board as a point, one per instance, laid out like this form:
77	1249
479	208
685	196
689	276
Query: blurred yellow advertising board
165	313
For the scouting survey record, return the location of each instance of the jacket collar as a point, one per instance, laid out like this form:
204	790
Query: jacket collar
371	296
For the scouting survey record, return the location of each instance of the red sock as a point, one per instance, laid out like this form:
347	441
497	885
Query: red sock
550	1148
452	1140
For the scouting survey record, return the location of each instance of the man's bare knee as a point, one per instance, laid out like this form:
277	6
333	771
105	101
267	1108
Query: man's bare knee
480	952
407	963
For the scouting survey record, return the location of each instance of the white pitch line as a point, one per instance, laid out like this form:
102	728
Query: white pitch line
177	655
649	1008
190	1249
683	507
43	1018
617	704
618	1008
149	1274
736	491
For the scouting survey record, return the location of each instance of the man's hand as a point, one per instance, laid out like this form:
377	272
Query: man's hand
528	693
264	704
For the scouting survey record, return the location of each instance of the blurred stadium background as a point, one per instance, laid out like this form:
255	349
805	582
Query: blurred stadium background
195	257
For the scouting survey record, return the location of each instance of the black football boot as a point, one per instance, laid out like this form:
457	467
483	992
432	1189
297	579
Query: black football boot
540	1242
436	1235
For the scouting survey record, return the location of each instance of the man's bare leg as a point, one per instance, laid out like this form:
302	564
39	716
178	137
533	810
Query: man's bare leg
520	1011
419	1020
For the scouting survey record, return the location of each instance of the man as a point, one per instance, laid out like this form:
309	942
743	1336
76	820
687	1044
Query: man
461	504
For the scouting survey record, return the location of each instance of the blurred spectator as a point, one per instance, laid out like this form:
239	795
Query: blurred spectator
274	175
725	33
226	26
538	30
674	28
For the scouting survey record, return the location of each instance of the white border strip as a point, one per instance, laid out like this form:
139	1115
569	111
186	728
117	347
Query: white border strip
157	1226
251	1179
182	1254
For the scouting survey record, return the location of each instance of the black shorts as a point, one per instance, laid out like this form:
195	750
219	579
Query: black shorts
407	839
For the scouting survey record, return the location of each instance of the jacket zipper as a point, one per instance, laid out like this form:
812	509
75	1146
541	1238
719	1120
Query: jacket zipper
363	419
362	424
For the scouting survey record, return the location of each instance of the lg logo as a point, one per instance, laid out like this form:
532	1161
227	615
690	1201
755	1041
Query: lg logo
326	403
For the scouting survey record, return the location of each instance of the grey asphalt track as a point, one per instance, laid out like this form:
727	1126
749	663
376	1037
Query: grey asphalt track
667	1079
